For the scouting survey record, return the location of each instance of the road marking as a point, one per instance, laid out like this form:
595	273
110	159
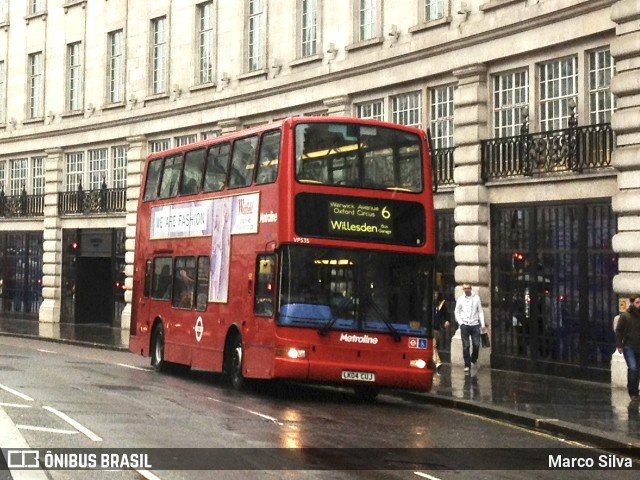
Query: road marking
16	393
148	475
14	405
252	412
424	475
10	437
45	429
74	424
132	367
45	351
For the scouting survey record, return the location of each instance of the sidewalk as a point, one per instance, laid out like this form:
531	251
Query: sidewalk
590	412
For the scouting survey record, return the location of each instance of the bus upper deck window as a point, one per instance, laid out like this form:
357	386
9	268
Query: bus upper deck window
153	178
193	171
268	159
171	176
243	162
217	163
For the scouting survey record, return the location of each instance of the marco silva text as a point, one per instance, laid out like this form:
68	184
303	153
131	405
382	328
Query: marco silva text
605	461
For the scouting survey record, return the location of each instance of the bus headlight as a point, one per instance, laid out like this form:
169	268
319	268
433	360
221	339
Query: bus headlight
418	363
292	353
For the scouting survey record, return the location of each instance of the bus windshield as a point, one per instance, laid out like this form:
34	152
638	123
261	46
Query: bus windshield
355	290
354	155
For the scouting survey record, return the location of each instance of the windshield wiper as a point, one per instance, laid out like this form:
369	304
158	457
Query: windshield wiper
322	331
376	309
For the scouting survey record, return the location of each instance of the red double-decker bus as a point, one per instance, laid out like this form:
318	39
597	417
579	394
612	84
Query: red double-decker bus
301	249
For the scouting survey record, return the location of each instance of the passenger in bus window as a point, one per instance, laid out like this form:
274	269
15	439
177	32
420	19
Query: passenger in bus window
183	294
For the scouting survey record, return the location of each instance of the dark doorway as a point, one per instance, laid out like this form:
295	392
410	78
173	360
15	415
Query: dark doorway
94	299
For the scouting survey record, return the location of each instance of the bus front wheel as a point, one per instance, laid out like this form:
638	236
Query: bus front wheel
234	363
157	349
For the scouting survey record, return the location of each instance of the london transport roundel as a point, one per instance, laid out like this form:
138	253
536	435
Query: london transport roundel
199	329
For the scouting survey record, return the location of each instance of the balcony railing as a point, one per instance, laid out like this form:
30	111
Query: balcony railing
103	200
22	205
442	167
574	149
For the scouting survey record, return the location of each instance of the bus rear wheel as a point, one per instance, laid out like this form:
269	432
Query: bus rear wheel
233	363
157	349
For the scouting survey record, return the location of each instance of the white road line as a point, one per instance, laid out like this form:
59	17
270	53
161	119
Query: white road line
16	393
46	429
14	405
10	437
424	475
45	351
74	424
133	367
261	415
148	475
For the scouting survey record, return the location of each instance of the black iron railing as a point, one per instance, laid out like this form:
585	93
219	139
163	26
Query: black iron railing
575	149
22	205
442	167
103	200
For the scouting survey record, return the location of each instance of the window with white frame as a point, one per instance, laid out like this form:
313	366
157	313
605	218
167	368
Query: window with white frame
373	110
74	77
209	134
36	6
74	170
434	9
309	27
205	42
255	27
3	175
119	156
185	140
2	92
441	121
159	145
510	100
406	109
4	11
115	88
601	100
35	85
37	177
97	168
19	172
367	19
159	55
558	89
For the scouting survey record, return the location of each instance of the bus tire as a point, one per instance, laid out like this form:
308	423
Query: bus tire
366	393
233	368
157	349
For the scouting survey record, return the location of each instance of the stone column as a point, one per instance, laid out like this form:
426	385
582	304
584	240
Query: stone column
471	213
229	125
52	239
338	106
625	48
136	155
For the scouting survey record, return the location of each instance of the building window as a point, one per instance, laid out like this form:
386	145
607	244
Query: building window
367	19
74	170
510	100
205	43
433	10
4	11
558	86
407	109
373	110
97	168
115	92
159	145
441	121
119	155
209	134
309	31
159	51
37	182
36	6
601	100
35	81
74	77
18	175
2	91
3	175
185	140
255	33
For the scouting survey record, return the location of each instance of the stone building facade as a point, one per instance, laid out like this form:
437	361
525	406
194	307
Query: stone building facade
532	106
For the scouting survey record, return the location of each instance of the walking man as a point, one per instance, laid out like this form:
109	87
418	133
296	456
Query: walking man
470	316
628	343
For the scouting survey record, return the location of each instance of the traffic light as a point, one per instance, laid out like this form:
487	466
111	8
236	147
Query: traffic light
518	261
74	247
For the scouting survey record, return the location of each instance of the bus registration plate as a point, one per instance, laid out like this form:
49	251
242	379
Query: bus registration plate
362	376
